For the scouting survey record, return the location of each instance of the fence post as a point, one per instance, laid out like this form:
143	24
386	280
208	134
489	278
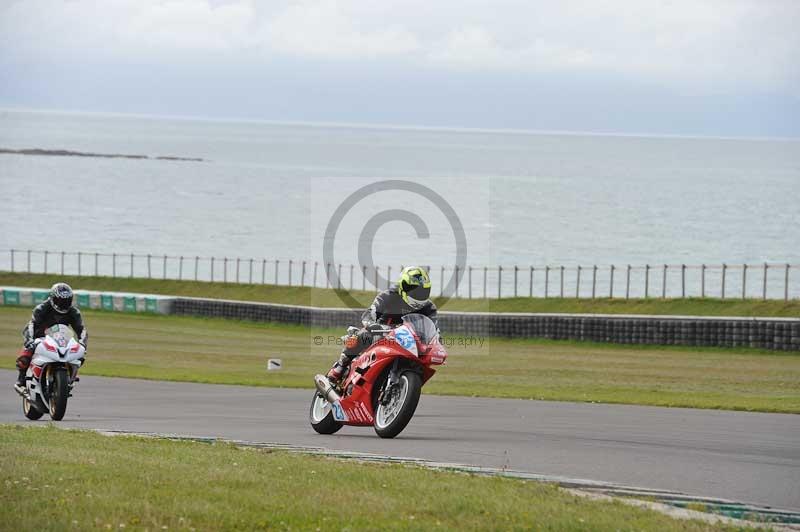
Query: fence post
113	265
277	262
212	268
724	272
646	281
389	277
744	280
29	261
314	282
149	268
263	271
786	284
79	263
485	272
96	260
250	272
516	269
441	282
683	281
164	270
45	261
303	275
499	282
327	275
363	278
764	289
225	269
561	281
196	266
469	279
546	281
339	276
703	281
238	262
180	268
530	283
664	283
611	284
376	278
628	283
351	275
12	261
594	280
62	263
578	282
290	272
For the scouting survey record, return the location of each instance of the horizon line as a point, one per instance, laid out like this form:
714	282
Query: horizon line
394	127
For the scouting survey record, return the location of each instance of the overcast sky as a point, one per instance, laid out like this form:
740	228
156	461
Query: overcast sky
695	67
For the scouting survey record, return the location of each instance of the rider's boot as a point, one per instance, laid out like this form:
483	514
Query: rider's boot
338	369
19	386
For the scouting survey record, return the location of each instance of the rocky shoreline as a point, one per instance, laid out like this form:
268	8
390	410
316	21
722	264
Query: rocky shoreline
70	153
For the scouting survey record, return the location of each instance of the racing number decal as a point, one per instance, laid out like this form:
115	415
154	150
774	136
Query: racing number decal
338	413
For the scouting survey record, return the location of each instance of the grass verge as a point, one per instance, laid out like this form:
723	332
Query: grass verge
320	297
137	483
231	352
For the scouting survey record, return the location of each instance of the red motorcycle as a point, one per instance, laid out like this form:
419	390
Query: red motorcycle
382	386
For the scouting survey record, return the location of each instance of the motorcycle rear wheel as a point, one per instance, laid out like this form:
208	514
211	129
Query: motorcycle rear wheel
59	392
321	416
392	418
30	411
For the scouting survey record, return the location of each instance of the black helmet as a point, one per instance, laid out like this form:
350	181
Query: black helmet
61	297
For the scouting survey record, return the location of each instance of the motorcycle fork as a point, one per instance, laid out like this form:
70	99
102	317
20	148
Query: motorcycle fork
391	380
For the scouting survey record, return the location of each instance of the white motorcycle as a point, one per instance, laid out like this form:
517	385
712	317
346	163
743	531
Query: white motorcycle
51	374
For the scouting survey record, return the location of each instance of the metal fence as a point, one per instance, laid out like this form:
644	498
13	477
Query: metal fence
725	281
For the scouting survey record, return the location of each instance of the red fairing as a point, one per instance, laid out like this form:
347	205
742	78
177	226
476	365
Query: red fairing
366	370
49	346
37	371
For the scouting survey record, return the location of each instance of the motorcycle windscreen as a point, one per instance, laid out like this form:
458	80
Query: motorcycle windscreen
423	327
61	335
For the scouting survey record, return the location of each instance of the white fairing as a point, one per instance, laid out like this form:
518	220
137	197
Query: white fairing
59	346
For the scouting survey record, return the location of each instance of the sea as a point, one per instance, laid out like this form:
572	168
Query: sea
392	196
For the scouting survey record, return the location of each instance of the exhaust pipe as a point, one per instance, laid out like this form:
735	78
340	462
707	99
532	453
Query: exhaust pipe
325	387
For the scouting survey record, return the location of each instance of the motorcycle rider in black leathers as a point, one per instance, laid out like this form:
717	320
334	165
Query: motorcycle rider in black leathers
410	295
56	310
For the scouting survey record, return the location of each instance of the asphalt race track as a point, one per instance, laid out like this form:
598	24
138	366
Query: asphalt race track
748	457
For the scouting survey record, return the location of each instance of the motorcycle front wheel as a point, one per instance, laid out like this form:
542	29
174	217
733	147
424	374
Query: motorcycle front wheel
393	414
321	416
59	392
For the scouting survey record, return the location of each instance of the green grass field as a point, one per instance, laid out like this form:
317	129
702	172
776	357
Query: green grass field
319	297
231	352
83	481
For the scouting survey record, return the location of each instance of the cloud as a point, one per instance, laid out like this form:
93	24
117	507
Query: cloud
683	43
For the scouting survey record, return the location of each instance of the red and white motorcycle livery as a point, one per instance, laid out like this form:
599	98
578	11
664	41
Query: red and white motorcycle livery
52	373
382	386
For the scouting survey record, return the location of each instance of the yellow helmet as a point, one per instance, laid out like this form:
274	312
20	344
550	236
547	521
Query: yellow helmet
414	286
